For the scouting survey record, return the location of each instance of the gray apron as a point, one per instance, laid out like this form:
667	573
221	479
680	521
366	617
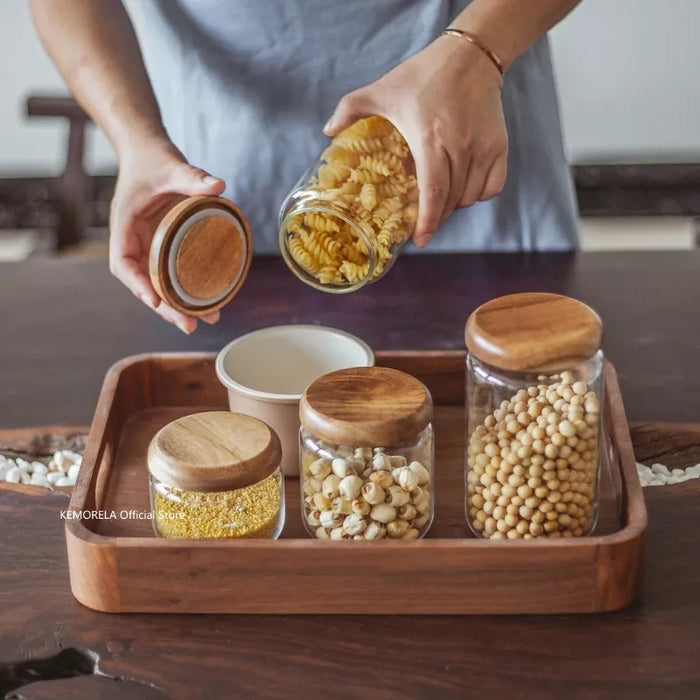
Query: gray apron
245	87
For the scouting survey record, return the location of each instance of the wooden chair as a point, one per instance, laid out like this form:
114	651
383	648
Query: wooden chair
71	189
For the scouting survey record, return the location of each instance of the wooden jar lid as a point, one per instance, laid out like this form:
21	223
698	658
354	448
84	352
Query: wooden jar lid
366	407
535	331
214	451
200	255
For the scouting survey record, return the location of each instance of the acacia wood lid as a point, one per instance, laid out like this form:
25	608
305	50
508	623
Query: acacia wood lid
366	406
214	451
200	254
535	331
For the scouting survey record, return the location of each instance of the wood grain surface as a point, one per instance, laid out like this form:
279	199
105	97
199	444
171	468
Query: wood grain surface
646	651
375	406
533	331
42	441
57	341
213	451
72	320
209	258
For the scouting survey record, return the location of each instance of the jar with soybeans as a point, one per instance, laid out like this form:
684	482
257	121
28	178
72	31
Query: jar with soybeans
366	451
346	220
534	401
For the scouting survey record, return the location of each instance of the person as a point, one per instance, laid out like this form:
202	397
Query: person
240	90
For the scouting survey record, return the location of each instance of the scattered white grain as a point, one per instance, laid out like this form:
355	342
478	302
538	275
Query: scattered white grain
660	475
39	468
61	461
61	470
38	479
14	475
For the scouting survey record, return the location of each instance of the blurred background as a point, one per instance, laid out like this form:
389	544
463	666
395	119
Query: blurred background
630	104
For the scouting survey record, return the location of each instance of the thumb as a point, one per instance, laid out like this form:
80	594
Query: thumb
189	180
354	106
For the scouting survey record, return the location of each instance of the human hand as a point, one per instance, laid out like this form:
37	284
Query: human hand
446	102
153	177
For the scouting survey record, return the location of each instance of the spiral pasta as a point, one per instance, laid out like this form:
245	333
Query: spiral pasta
368	196
368	172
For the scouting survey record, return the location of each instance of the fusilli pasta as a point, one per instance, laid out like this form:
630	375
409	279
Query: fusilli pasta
368	172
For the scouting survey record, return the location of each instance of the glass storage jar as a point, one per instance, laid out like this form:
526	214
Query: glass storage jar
367	456
346	220
216	475
534	403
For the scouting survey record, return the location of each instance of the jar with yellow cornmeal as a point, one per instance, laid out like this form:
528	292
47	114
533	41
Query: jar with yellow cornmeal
216	475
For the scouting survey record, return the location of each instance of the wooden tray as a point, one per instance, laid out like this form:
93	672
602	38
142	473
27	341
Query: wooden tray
119	565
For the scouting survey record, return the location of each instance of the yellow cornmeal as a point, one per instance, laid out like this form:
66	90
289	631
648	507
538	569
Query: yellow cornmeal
252	512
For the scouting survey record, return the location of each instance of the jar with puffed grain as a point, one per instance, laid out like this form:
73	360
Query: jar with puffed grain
367	456
345	222
216	475
534	403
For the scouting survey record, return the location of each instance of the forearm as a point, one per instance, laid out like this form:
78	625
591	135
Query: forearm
509	27
94	47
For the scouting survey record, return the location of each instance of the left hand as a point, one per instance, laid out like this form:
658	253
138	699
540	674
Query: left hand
446	102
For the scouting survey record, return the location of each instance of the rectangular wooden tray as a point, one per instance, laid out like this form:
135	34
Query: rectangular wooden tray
117	564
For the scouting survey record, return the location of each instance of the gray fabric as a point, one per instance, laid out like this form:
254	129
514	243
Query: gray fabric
245	87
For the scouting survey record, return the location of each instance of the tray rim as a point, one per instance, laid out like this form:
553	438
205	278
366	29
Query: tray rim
635	507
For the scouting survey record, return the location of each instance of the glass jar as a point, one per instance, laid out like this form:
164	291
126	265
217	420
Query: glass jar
367	456
345	222
534	398
216	475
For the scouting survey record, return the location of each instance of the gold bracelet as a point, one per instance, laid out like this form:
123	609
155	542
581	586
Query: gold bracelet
473	39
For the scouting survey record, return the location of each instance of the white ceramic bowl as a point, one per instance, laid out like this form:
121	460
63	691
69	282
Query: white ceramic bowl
265	373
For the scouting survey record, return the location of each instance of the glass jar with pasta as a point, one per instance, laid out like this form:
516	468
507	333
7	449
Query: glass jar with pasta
345	222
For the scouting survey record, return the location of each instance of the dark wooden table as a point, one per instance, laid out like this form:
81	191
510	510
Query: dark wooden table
63	323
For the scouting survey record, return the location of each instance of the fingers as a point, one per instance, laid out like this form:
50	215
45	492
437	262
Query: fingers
130	274
186	179
496	178
459	173
127	271
433	174
187	324
474	184
211	318
352	107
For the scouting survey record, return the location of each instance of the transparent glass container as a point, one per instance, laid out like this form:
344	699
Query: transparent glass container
533	450
254	511
367	493
346	220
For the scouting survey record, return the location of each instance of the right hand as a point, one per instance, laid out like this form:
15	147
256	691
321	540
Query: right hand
152	178
446	102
